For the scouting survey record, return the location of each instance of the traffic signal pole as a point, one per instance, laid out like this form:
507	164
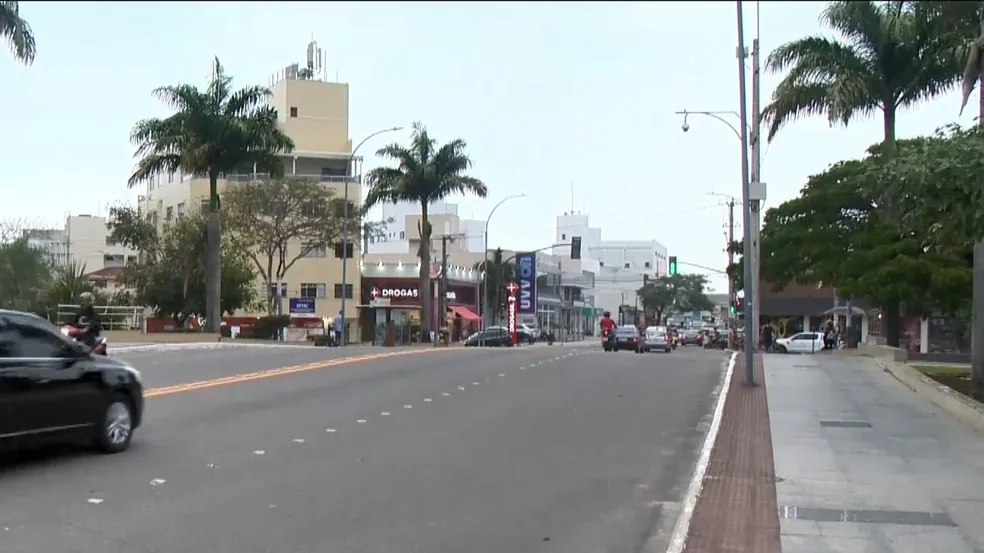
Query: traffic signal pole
731	262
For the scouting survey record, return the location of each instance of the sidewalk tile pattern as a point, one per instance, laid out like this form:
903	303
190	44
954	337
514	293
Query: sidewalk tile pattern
737	511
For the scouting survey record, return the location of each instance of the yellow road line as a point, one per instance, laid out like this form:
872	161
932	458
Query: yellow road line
270	373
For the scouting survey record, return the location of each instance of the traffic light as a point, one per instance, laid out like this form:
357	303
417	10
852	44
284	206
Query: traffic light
738	305
671	268
575	247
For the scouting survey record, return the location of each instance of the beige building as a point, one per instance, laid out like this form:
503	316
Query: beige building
85	240
315	114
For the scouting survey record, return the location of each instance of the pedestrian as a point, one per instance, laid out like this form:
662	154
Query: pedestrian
339	328
767	336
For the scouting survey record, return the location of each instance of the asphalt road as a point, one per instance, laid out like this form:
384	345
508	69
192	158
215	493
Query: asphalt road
487	451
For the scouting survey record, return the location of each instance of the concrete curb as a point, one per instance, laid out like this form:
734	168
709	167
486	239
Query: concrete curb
952	402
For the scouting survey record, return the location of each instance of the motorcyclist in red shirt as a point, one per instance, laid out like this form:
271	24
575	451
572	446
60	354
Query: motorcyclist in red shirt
607	323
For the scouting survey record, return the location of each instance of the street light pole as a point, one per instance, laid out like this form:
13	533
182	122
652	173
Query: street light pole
485	265
746	206
345	223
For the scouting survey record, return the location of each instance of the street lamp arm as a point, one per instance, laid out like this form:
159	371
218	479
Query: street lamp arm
718	271
713	115
544	248
502	201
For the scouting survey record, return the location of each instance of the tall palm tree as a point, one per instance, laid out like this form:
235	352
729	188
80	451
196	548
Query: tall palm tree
887	60
15	30
497	274
213	131
424	173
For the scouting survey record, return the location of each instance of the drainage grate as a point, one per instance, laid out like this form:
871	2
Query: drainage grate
845	424
864	516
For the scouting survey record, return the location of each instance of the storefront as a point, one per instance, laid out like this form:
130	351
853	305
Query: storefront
389	310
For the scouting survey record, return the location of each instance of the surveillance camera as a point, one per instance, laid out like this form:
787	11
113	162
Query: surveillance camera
685	127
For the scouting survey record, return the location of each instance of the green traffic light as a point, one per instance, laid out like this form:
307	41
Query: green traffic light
671	267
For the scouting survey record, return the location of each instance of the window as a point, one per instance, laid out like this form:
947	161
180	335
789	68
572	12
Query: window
563	237
131	259
650	266
348	291
293	111
169	214
349	251
181	208
628	265
314	290
110	241
313	250
112	260
205	207
34	341
403	235
269	289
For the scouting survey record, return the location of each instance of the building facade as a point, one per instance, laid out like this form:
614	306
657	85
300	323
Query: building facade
400	234
315	114
84	240
619	266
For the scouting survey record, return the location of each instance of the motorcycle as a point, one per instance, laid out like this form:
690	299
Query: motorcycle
75	333
608	340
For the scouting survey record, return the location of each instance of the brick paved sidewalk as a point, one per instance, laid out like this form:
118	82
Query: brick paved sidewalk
737	511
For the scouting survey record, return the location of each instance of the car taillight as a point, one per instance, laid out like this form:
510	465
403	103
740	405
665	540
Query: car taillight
635	339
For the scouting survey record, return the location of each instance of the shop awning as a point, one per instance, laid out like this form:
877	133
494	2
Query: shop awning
465	313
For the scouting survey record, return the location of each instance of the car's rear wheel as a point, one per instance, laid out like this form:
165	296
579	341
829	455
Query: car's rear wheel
115	429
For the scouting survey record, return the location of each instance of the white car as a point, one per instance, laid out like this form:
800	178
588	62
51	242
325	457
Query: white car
657	338
804	342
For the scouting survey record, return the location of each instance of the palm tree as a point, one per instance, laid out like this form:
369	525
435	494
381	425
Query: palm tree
16	31
424	174
212	132
497	274
889	59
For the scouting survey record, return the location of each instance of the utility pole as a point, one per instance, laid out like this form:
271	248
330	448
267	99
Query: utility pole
731	262
747	211
442	288
751	330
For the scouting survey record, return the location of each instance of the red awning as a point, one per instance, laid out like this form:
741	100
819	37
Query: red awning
465	313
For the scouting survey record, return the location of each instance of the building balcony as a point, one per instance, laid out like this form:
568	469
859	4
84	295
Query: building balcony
248	177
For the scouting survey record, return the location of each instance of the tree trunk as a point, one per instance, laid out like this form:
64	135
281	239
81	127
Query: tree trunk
424	289
213	260
891	312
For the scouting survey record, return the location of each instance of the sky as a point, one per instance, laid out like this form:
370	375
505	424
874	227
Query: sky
570	103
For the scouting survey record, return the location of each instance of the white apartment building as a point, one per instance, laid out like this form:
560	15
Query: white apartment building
402	231
619	265
85	240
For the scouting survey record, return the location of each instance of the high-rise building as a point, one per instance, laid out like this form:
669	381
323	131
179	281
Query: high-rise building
315	114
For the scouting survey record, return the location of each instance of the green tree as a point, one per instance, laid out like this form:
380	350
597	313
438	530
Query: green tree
679	292
497	274
889	60
25	273
68	282
169	277
16	31
280	221
213	132
424	173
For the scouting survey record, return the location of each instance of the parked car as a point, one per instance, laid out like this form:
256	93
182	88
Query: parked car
495	336
526	334
804	342
53	389
657	338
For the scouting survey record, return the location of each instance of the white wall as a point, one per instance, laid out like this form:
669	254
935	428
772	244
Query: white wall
88	244
644	256
614	287
396	240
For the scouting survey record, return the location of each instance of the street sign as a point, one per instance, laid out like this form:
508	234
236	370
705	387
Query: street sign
512	288
511	318
302	306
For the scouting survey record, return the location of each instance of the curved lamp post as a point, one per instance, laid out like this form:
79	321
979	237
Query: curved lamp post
345	222
485	264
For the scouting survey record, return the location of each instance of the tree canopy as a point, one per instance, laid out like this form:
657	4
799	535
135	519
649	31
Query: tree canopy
679	292
169	275
276	223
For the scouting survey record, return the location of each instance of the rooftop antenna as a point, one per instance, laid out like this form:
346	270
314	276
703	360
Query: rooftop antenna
572	196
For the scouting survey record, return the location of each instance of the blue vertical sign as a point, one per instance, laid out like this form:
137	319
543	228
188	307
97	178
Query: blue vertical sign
526	277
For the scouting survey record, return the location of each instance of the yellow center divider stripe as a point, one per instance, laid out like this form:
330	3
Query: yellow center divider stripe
270	373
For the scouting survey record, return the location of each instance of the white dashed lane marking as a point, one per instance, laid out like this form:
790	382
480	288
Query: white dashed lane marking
262	452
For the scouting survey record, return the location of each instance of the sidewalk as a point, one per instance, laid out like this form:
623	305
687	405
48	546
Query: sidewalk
864	465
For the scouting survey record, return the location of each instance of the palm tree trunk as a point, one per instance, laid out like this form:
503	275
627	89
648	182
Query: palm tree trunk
213	259
891	311
424	289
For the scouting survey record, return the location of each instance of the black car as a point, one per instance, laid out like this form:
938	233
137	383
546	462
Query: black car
495	336
52	389
627	337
